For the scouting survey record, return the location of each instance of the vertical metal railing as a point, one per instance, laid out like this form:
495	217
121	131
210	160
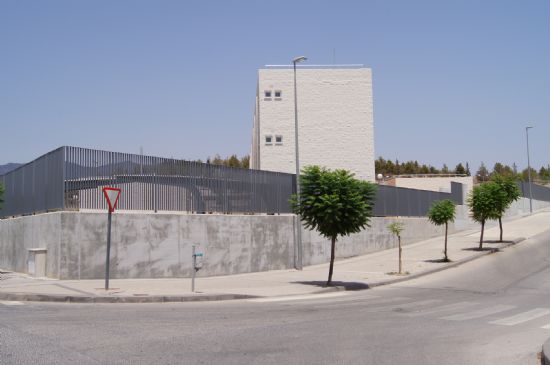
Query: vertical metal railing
161	184
71	178
35	187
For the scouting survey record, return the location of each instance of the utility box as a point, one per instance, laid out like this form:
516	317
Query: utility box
36	262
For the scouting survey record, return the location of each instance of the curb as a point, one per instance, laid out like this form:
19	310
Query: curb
120	299
448	266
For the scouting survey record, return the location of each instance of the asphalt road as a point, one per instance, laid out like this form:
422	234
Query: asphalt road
490	311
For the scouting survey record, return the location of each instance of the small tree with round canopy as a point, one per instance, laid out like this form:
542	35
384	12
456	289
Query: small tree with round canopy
484	203
334	203
511	194
441	213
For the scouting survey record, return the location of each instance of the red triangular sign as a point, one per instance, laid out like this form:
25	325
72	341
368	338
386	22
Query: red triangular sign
111	195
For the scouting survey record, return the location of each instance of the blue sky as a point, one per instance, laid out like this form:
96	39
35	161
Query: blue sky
453	80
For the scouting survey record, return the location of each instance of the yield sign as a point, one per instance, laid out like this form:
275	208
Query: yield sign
112	195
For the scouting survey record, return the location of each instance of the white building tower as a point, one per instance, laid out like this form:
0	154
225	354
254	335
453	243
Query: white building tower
335	119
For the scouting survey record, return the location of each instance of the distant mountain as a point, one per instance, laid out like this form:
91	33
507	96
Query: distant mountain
4	169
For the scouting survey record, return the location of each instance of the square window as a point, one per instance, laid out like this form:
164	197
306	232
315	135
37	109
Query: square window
268	140
278	139
278	93
267	93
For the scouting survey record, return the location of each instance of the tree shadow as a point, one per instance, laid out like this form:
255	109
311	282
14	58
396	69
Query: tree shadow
497	241
483	249
347	285
438	261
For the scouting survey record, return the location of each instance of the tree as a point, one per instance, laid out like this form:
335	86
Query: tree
483	203
396	228
525	174
459	169
442	212
482	173
445	169
468	173
245	162
232	161
511	193
334	203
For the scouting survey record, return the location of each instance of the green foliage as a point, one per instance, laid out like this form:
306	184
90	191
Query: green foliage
459	169
333	202
484	201
231	161
482	173
245	162
441	212
390	168
525	175
511	190
396	228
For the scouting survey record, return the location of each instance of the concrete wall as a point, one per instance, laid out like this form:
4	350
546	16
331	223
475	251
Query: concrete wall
518	208
375	238
159	245
148	245
335	109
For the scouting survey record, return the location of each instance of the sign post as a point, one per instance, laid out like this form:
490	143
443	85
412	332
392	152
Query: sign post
111	195
197	265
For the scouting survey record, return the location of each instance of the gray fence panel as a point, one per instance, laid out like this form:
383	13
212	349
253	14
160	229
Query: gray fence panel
539	192
160	184
396	201
35	187
457	193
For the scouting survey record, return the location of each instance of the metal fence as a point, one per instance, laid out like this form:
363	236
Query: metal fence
539	192
396	201
35	187
71	178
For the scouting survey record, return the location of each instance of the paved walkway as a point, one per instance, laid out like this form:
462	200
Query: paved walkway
355	273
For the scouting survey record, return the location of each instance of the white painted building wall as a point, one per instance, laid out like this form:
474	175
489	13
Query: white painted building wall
434	183
335	116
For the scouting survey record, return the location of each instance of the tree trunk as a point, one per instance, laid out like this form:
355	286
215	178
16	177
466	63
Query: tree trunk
399	240
446	229
500	225
332	250
481	237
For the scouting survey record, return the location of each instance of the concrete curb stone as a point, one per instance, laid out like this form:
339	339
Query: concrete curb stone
449	265
121	299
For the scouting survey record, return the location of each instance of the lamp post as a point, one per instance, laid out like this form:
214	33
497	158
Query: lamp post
299	264
529	170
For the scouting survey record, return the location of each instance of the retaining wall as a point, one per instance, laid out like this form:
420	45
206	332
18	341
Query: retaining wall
147	245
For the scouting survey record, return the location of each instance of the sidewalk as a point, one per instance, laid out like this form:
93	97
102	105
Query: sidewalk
354	273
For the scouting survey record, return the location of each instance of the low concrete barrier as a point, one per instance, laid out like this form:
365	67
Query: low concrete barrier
148	245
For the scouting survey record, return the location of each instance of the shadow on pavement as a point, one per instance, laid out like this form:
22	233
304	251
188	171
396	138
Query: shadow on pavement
347	285
497	241
483	249
438	261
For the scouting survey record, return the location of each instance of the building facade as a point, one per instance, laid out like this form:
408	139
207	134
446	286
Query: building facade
335	117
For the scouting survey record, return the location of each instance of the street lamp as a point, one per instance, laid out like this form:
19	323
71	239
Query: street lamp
299	264
529	170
